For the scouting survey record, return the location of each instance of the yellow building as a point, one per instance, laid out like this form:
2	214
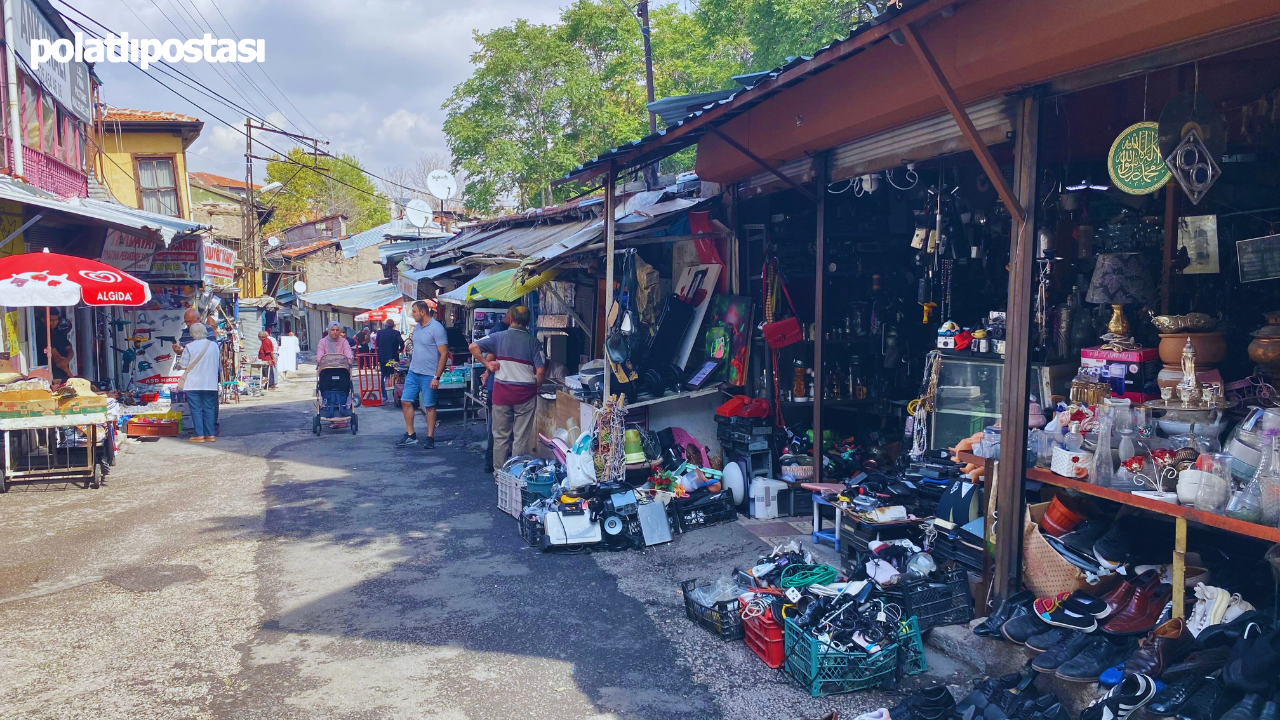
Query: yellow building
144	159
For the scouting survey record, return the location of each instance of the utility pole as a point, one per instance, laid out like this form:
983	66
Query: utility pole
252	285
651	172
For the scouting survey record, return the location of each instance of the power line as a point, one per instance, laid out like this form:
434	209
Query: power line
238	67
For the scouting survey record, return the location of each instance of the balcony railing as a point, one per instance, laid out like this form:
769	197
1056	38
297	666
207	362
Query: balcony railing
49	173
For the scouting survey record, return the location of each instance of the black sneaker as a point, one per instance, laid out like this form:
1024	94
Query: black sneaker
1100	653
1073	614
1123	700
1047	639
931	702
1115	548
991	626
1067	647
1170	700
407	440
1022	626
429	443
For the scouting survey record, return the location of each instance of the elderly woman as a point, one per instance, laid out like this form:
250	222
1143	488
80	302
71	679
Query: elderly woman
200	361
268	353
334	344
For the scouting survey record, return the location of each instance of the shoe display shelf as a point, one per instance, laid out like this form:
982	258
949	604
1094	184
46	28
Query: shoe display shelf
823	670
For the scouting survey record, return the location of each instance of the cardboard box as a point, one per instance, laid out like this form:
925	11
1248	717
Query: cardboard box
1132	374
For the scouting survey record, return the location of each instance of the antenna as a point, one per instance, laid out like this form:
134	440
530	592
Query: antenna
442	184
417	212
273	241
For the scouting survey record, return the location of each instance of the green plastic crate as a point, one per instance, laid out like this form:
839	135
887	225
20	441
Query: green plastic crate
823	671
911	648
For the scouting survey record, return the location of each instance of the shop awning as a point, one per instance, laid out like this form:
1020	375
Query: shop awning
361	296
119	217
507	286
465	293
429	273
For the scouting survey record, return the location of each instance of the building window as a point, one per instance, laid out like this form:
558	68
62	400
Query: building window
158	186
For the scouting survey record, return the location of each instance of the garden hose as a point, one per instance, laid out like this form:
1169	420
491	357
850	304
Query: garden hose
801	575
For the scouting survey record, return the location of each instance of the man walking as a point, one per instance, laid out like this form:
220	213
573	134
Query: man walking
427	362
518	370
390	343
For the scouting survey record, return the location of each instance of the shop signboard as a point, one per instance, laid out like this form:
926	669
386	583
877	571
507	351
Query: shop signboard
128	252
1259	258
219	264
180	260
68	82
408	286
1134	163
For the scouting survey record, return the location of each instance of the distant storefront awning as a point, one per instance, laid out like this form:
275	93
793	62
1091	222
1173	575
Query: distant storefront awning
510	285
465	292
361	296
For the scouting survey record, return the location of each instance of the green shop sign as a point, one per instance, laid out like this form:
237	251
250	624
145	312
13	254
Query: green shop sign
1134	162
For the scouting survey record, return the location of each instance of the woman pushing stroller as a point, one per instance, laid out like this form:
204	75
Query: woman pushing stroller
334	344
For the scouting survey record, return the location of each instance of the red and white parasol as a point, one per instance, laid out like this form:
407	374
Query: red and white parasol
50	279
391	311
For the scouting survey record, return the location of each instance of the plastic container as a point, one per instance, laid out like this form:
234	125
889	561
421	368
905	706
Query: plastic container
764	497
722	619
540	488
763	635
1060	518
934	603
684	518
823	671
509	496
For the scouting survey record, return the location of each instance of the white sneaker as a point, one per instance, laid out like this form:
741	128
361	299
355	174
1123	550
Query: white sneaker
1199	618
1237	607
1220	603
881	714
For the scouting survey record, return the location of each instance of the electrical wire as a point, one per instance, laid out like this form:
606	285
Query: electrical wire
801	575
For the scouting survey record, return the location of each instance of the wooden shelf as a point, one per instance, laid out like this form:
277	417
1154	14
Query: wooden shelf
1239	527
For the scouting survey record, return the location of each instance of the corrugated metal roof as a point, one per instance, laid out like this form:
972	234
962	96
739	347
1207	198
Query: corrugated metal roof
429	273
361	240
120	217
301	250
361	296
391	250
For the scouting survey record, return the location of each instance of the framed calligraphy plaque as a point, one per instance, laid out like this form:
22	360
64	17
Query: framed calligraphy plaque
1134	163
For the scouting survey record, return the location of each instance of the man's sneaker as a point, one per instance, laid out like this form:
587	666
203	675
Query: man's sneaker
429	443
1067	647
407	440
1123	700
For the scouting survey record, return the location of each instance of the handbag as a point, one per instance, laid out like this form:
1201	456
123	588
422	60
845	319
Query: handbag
182	381
781	333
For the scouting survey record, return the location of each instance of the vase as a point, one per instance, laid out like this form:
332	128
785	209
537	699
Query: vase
1265	348
1210	347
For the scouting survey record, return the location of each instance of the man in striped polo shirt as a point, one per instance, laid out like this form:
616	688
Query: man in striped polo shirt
518	369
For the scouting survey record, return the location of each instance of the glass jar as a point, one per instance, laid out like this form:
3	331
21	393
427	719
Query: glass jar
1268	480
1215	482
1103	472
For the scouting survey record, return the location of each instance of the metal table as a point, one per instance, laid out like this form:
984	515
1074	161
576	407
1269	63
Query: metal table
33	450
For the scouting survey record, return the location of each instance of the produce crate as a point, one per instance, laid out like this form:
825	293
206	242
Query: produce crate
705	514
763	635
509	487
822	670
157	428
936	603
724	619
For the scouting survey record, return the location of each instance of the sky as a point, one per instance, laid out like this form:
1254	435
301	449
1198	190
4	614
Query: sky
367	75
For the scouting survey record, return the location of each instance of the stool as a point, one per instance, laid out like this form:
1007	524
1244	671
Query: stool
820	535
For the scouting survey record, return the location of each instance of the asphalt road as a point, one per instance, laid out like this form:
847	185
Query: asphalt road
275	574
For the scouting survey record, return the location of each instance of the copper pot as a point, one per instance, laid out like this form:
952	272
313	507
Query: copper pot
1265	348
1210	347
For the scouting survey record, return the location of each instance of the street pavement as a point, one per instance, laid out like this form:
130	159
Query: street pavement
276	574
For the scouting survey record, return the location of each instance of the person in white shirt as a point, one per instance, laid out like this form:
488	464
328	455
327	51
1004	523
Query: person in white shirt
200	362
288	362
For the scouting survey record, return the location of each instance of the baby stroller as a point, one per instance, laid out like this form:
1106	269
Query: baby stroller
335	397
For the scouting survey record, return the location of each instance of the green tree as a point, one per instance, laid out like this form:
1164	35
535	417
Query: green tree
766	32
318	187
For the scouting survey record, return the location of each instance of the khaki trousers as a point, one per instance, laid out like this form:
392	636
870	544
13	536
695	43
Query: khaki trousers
513	430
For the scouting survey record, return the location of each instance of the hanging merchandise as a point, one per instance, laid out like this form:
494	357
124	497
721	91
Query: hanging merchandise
784	332
1194	166
1135	163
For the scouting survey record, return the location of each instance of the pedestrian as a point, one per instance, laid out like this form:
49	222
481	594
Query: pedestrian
289	348
200	362
487	379
362	342
389	343
351	341
190	319
518	370
333	344
268	354
427	362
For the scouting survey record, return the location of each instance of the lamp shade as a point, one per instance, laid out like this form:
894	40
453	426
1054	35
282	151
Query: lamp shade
1119	278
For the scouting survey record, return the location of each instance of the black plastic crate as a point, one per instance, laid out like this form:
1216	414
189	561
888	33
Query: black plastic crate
723	619
795	502
934	603
751	426
531	531
685	517
742	442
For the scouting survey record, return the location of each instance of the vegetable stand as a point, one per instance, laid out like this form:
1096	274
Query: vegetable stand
42	449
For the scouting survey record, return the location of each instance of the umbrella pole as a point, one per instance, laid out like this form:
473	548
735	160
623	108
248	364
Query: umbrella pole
48	342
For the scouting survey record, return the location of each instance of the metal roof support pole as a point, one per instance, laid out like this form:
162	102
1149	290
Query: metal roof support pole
757	160
610	180
820	184
949	98
1013	406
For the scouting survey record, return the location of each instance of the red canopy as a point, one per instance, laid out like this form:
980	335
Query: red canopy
391	310
45	278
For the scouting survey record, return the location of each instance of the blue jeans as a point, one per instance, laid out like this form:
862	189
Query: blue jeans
203	405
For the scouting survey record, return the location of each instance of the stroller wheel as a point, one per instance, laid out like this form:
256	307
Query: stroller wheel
315	424
355	423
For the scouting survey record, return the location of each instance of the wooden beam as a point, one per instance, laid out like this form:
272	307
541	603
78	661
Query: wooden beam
1013	403
1170	242
609	201
952	101
820	281
759	161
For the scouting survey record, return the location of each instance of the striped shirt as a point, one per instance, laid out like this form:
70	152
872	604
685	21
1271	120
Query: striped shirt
519	357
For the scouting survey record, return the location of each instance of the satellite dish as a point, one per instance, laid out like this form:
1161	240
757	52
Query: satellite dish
441	184
299	287
417	212
273	241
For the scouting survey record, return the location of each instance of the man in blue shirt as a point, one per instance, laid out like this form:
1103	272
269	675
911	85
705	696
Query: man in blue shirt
427	362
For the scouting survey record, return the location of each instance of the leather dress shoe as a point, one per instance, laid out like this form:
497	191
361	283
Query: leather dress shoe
991	626
1053	712
1047	639
1226	634
1210	702
1270	711
1200	662
1174	695
982	693
1066	648
1022	626
1100	653
1161	648
1121	594
1247	709
931	702
1143	611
